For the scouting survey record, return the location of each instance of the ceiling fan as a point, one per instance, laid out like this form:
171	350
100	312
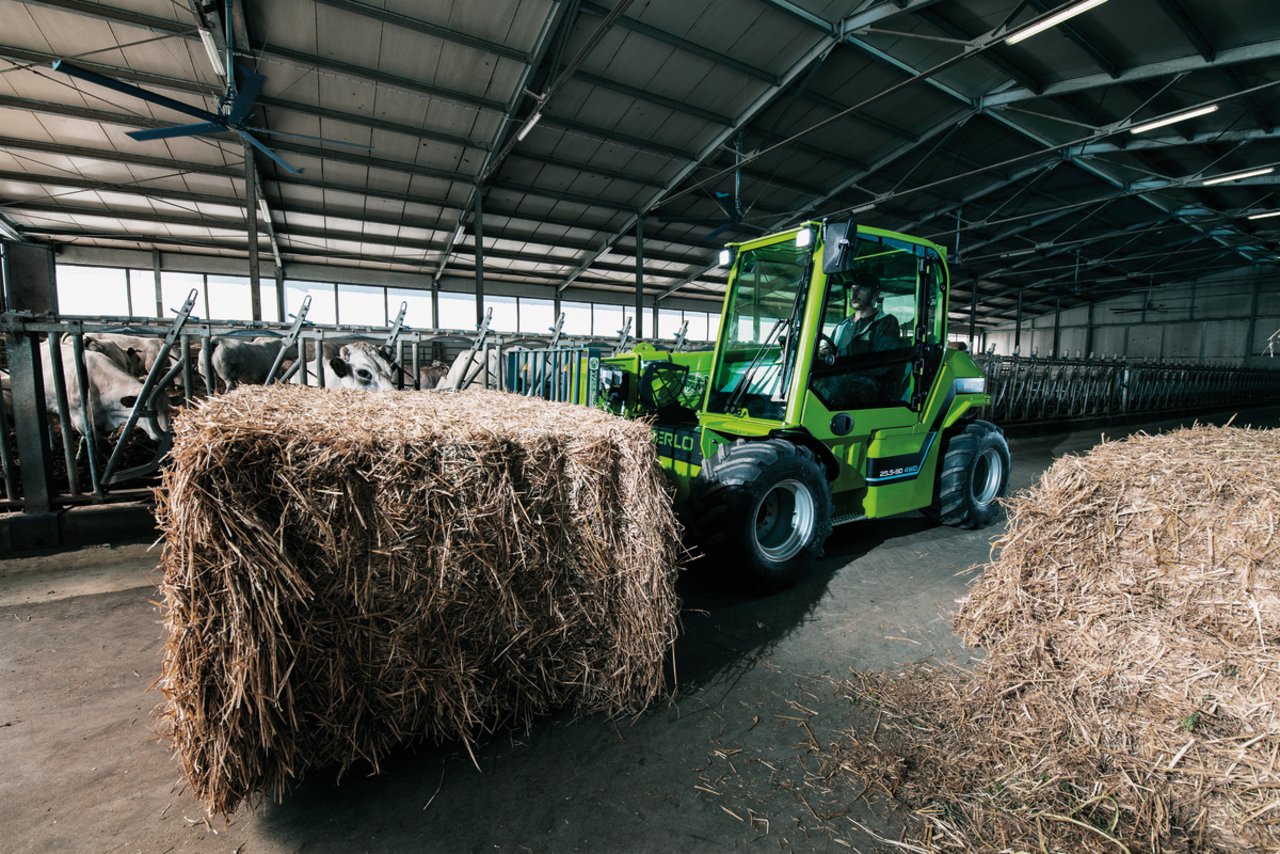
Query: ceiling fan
233	110
730	203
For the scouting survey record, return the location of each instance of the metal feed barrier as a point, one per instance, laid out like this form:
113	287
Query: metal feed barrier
45	468
1028	389
555	373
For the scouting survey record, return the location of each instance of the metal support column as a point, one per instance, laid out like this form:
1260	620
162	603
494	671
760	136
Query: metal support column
640	284
1088	333
26	376
1250	338
280	295
973	314
251	229
1057	329
155	270
1017	329
478	226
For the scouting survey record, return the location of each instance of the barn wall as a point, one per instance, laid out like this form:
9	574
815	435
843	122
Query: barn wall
1223	318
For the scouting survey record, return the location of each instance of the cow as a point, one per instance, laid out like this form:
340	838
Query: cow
127	360
243	360
358	365
136	353
112	394
429	377
473	367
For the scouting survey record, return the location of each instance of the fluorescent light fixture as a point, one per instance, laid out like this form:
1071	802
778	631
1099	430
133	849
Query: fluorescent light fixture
264	210
211	48
804	237
1252	173
528	126
863	208
1265	215
457	235
1053	20
725	257
1176	117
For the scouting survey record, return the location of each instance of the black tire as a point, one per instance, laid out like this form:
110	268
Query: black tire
762	511
974	477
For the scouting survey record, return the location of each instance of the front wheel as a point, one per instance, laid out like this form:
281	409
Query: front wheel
763	511
974	477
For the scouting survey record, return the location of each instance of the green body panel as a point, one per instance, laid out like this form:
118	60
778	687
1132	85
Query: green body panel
885	459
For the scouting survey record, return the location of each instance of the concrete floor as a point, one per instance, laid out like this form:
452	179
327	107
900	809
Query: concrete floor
726	764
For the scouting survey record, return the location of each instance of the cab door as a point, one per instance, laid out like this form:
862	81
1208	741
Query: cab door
864	400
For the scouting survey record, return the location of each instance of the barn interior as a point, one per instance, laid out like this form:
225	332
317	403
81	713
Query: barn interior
460	184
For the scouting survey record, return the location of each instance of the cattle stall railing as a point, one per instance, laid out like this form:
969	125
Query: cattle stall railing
564	374
44	467
1031	389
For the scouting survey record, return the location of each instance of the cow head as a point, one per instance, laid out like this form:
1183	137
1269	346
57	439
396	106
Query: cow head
119	409
362	366
127	359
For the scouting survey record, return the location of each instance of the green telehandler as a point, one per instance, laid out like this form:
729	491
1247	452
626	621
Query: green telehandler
830	396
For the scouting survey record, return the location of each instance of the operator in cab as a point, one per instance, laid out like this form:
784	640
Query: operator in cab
867	329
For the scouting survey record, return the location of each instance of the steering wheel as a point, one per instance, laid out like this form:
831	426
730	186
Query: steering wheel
829	357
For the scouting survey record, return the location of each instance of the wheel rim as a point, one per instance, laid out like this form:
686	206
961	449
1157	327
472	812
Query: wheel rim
785	520
988	470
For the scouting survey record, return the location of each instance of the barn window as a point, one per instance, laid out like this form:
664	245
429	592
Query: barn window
418	314
174	288
577	318
230	298
361	305
504	313
607	320
457	311
323	310
90	291
537	315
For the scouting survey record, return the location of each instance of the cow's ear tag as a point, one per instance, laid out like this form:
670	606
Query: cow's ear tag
339	367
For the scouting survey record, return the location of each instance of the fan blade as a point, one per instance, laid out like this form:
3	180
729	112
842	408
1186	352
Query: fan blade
284	164
176	130
695	220
288	135
129	89
246	95
711	238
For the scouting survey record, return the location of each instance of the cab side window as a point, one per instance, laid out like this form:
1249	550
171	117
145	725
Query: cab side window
864	355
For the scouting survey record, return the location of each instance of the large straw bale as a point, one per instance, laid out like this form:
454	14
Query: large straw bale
345	572
1128	700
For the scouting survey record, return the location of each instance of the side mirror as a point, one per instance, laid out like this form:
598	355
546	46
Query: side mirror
838	239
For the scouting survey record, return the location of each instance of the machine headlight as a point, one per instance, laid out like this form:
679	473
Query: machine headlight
971	385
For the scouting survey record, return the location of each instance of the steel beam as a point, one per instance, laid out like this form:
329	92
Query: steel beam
417	25
1258	52
682	44
816	53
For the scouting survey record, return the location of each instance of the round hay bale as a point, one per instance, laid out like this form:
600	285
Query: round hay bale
1131	620
346	572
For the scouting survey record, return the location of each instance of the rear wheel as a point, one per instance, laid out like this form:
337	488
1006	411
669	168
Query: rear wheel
763	511
974	477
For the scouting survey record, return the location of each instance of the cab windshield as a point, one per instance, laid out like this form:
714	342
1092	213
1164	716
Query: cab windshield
759	336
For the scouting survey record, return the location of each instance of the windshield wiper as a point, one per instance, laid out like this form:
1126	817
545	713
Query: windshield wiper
749	373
